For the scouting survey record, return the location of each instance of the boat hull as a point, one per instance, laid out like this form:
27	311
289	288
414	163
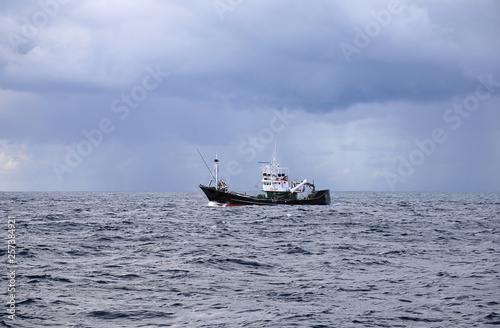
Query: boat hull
225	198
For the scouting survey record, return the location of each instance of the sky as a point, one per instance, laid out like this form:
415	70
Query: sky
380	95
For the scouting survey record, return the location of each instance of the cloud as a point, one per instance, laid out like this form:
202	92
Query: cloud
272	53
61	76
12	156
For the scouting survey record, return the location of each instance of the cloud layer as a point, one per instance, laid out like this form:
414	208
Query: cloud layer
366	85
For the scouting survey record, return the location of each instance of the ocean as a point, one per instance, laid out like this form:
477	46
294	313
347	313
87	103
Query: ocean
371	259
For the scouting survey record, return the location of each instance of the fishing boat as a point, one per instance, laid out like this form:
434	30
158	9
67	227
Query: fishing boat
278	188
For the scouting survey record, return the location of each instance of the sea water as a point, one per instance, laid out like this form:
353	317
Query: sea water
169	260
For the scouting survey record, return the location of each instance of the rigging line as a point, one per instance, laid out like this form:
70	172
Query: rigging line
208	168
203	179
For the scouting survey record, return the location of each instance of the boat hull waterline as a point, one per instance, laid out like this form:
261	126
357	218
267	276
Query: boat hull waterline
229	198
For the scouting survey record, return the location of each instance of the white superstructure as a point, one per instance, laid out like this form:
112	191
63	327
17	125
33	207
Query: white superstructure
276	179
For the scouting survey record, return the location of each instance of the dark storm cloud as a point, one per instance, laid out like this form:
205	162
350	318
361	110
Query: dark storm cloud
227	70
282	51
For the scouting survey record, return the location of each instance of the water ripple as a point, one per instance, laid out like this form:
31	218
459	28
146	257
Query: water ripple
168	260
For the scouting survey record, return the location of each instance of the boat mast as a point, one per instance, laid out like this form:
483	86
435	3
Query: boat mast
274	155
216	169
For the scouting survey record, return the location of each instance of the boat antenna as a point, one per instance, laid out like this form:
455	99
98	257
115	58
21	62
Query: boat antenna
208	168
274	155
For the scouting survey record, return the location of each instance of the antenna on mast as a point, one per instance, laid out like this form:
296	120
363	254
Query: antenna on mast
274	155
